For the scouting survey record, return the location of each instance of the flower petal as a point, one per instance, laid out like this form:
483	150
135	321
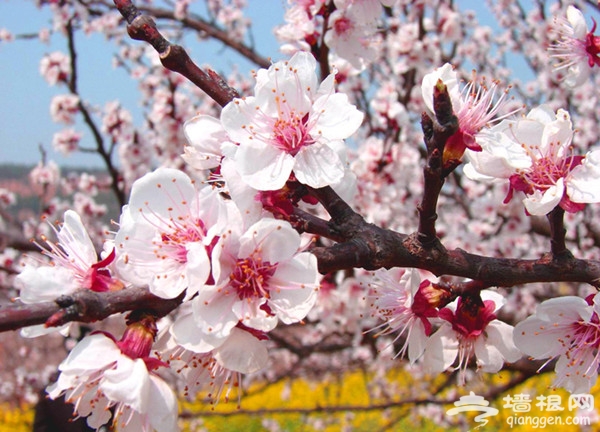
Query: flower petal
242	353
583	185
318	165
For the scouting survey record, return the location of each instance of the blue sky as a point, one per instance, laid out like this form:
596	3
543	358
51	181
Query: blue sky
25	121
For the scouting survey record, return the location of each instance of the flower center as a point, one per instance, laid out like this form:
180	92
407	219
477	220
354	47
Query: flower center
544	172
250	277
342	26
582	348
172	244
290	133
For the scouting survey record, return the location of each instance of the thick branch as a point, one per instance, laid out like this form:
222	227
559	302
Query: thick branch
83	306
374	247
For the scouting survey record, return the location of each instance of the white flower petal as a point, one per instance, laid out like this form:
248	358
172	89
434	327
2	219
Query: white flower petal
500	335
97	347
163	414
540	204
205	134
529	337
318	166
417	341
242	353
441	350
213	311
488	356
187	334
160	195
583	185
276	240
263	167
577	21
39	284
129	383
336	118
74	238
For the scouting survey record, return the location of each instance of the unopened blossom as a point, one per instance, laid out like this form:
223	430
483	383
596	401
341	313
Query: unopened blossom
471	330
55	67
166	232
405	309
535	154
103	377
577	48
74	266
568	329
289	127
477	106
261	277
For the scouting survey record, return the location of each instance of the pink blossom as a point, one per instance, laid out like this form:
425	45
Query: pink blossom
261	278
101	375
44	178
6	35
351	35
117	122
66	141
471	330
167	231
404	309
290	126
64	107
577	48
7	198
567	328
536	156
299	31
477	106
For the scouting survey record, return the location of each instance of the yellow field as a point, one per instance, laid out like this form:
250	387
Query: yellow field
345	403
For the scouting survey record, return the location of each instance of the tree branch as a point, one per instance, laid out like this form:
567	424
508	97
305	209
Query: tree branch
174	57
83	306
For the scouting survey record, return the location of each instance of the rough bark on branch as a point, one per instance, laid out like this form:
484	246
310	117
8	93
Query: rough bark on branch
84	306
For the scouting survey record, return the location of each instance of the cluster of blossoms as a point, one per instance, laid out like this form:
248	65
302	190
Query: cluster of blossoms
467	326
351	30
239	273
535	152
